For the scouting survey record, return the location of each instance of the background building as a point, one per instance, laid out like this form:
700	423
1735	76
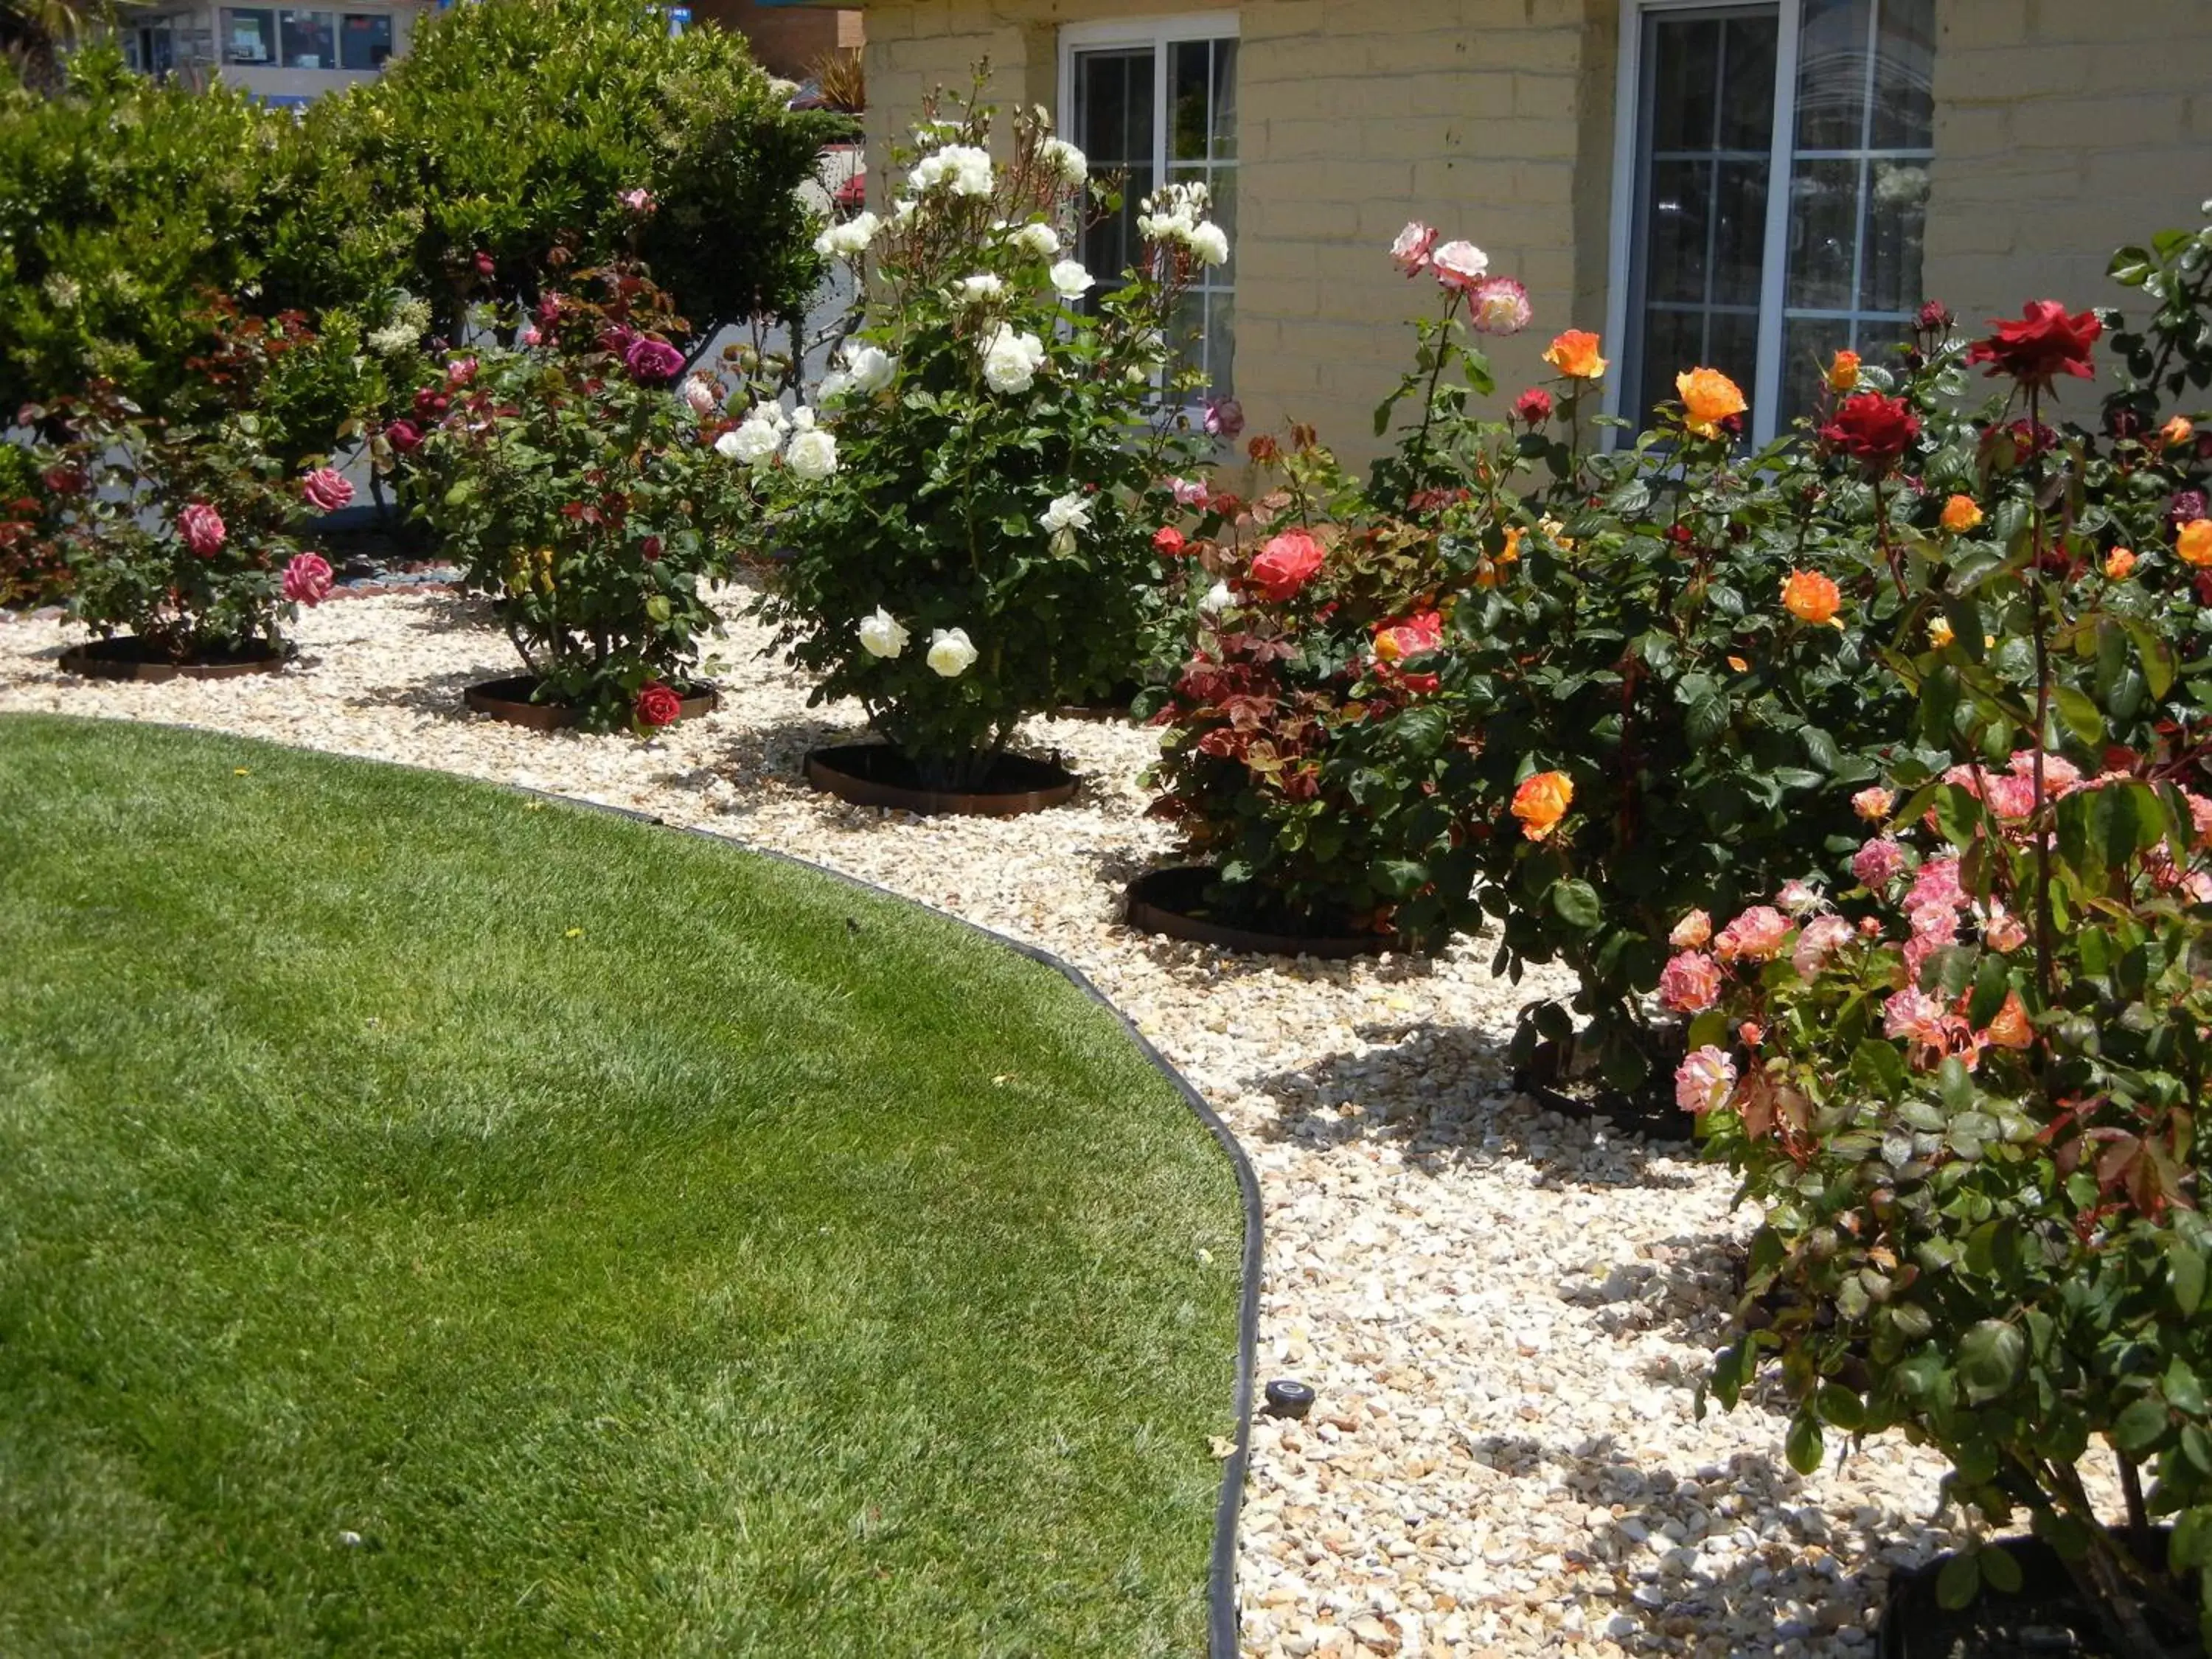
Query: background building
287	55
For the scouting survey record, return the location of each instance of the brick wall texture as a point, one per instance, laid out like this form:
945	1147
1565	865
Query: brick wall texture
786	40
2064	128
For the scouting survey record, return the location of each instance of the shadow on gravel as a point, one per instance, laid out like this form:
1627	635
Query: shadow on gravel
440	695
1645	1588
1443	1094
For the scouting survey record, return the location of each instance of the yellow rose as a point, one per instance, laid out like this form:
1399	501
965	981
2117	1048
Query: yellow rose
1708	397
1939	632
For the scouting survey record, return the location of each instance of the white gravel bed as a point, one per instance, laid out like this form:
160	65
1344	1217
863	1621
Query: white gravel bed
1501	1310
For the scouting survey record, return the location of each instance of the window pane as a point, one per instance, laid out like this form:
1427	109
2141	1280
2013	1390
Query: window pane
1224	101
310	41
364	40
1824	228
1709	106
249	37
1810	345
1221	184
1831	74
1904	77
1190	100
1896	223
1114	125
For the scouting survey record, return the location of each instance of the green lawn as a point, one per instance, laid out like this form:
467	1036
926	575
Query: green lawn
433	1223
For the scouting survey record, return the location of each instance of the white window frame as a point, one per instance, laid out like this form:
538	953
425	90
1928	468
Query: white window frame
1628	101
1158	32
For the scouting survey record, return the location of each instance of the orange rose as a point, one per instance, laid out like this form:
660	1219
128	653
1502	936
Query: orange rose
2119	564
1574	354
1960	514
2194	543
1708	397
1811	597
1491	572
2011	1028
1541	801
2177	430
1844	372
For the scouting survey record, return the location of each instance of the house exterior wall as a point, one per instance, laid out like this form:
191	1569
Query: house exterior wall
787	39
2062	130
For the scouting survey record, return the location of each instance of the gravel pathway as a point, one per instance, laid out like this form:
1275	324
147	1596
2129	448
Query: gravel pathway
1501	1310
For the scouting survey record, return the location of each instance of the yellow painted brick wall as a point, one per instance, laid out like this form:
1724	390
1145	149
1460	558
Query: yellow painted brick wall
1490	118
2062	128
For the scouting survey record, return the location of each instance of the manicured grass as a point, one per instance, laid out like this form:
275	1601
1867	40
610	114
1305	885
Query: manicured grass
434	1224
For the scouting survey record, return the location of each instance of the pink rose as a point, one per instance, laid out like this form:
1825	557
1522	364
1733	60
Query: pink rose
459	371
1459	265
1191	492
1500	306
308	578
326	489
2059	773
701	395
1799	898
1694	932
1911	1015
1690	983
1411	250
637	201
651	362
531	336
1818	942
1878	863
2010	797
1224	419
405	437
1286	564
1873	804
2200	815
1703	1081
2003	931
202	527
1754	936
1936	883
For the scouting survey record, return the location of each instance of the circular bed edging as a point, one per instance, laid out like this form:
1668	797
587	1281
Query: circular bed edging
1169	902
122	657
879	774
509	700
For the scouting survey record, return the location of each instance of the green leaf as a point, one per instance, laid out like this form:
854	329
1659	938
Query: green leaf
1804	1445
1989	1357
2080	716
2181	1388
2001	1568
1959	1581
1577	902
2139	1429
2184	1269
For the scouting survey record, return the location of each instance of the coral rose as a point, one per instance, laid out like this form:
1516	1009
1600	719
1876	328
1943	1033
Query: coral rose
2194	543
2042	342
202	527
1286	564
1818	941
1873	804
1574	354
1410	637
1870	428
2011	1028
658	705
1757	935
308	578
1708	397
1167	542
2119	564
326	489
1541	801
1690	983
1960	514
1694	932
1811	597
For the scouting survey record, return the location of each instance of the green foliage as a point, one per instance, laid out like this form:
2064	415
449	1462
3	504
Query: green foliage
995	463
514	131
579	491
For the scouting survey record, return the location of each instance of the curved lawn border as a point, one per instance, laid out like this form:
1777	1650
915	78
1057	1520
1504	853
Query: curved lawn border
1221	1618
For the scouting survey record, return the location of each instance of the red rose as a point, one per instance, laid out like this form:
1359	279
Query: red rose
1533	406
405	437
1872	427
484	263
203	529
658	705
430	403
1286	564
326	489
649	550
308	578
2042	342
1167	542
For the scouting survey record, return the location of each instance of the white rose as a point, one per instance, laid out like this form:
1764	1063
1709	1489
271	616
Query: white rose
802	419
812	455
964	169
835	385
1210	243
753	442
1064	159
881	634
903	207
1010	360
849	239
949	653
1218	598
975	289
1459	263
1065	511
868	368
1070	279
1040	238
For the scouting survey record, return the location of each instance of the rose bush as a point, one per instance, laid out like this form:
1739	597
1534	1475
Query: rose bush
180	526
581	492
987	466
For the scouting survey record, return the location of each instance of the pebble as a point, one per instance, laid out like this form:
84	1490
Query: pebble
1501	1310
